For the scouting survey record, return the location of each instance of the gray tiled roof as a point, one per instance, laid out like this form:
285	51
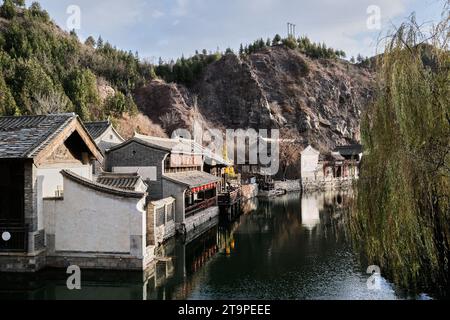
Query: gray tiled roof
192	179
350	150
120	180
173	145
96	129
26	136
100	187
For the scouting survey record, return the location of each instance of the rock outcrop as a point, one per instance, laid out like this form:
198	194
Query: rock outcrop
276	88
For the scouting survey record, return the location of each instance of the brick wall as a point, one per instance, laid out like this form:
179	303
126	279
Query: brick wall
30	196
137	155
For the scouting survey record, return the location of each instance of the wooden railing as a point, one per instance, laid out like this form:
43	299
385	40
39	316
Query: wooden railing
13	239
190	211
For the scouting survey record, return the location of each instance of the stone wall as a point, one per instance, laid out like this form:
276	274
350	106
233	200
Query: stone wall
18	262
200	218
167	230
97	261
30	198
289	185
327	185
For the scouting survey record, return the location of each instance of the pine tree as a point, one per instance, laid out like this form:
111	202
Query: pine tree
100	42
90	42
8	9
276	40
8	105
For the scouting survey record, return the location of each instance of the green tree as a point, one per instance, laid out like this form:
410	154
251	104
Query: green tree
276	40
100	43
90	42
241	50
359	58
19	3
81	88
36	10
30	79
8	9
8	105
290	42
401	221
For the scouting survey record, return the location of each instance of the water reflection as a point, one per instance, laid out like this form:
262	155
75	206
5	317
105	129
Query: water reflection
291	247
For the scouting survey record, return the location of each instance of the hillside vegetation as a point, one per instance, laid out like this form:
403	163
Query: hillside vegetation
293	84
43	69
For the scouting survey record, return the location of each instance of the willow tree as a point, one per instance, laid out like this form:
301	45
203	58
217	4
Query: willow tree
402	213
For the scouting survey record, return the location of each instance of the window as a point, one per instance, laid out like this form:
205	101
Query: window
170	212
160	216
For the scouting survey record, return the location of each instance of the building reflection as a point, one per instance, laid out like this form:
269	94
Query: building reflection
277	225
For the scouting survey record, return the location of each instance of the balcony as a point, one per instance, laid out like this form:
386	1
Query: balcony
18	241
200	206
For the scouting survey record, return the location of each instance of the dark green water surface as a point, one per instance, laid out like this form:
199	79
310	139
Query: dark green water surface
291	247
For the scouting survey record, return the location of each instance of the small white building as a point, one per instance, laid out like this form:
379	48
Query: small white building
97	226
105	136
106	224
310	169
33	151
56	213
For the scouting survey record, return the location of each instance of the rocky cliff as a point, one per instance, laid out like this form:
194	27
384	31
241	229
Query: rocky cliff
320	100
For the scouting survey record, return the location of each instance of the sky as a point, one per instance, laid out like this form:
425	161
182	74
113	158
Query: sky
171	28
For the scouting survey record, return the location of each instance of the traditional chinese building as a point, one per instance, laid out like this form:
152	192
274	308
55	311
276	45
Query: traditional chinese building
170	168
330	170
33	152
105	136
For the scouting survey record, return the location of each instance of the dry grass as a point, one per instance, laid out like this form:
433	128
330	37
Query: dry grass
128	124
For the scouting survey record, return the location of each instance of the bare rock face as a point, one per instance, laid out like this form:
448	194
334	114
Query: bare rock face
276	88
104	90
230	96
166	104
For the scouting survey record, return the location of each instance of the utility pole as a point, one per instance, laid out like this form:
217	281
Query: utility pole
291	30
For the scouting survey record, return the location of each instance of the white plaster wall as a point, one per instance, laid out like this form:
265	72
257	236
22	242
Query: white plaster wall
109	137
52	178
91	221
309	165
176	191
146	173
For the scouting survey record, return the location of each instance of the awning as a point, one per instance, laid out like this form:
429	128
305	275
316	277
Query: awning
192	179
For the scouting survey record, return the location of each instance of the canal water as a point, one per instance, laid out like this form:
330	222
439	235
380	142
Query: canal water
290	247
